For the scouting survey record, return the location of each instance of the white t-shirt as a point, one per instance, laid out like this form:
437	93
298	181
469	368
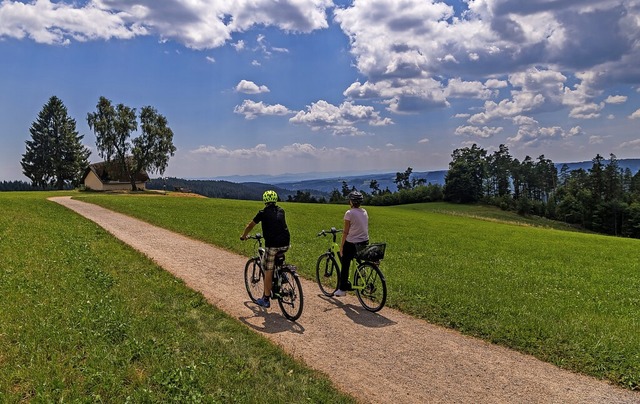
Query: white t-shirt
359	228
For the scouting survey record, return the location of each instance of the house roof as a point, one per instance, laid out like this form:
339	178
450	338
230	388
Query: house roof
110	172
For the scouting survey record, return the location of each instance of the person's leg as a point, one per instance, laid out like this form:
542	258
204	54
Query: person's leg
268	265
348	252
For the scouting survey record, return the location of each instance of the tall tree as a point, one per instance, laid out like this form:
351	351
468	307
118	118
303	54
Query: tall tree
596	178
402	180
547	177
499	168
55	155
113	127
466	174
375	187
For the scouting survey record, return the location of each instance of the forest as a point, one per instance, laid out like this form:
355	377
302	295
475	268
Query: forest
604	198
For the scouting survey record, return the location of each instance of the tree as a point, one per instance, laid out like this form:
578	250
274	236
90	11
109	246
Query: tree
375	187
346	190
55	155
113	127
547	177
499	166
402	179
467	172
336	196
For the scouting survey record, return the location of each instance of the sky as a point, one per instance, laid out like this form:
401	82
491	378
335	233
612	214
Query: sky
272	87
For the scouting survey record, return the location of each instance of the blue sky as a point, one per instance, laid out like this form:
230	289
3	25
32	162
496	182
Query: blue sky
301	86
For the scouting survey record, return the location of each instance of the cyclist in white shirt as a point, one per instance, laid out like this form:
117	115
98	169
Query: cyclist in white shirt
355	235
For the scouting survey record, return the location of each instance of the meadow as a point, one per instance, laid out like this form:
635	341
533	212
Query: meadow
566	297
84	318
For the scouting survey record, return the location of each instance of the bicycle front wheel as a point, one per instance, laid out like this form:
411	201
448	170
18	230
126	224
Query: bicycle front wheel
327	274
290	296
370	286
253	279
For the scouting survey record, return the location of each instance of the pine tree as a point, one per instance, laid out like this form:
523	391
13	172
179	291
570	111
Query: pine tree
55	155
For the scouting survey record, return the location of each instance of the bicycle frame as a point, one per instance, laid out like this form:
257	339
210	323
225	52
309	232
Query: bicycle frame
367	280
285	284
334	251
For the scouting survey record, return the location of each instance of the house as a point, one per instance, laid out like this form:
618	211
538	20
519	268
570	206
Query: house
108	176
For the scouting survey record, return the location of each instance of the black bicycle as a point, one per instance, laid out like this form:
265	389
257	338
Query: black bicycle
286	287
368	280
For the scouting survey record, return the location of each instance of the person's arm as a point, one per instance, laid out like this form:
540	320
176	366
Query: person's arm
247	230
345	233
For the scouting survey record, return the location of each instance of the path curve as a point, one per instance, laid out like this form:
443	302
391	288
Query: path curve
399	358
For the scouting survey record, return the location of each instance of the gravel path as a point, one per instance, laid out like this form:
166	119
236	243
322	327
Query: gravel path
376	357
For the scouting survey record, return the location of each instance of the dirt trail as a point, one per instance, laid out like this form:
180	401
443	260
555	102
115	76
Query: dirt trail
401	359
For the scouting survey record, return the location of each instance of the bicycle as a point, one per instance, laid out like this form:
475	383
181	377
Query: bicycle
368	280
286	287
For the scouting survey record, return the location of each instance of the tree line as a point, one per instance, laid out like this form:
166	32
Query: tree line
604	198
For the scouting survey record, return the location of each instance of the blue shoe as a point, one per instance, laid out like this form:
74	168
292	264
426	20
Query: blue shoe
264	302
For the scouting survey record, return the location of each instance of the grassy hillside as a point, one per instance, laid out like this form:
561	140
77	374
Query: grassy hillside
84	318
569	298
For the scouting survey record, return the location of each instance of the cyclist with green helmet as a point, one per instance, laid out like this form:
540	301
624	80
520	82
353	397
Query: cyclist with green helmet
276	238
355	235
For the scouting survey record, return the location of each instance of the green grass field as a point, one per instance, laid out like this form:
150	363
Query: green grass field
567	297
84	318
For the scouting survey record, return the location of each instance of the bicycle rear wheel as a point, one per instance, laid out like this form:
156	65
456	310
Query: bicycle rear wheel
290	297
370	286
327	274
253	279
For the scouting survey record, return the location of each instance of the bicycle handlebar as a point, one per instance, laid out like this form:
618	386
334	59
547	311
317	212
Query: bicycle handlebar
333	231
256	236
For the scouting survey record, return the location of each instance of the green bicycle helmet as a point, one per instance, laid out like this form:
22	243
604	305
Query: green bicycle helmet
270	196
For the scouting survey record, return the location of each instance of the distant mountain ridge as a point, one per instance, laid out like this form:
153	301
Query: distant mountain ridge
386	180
251	187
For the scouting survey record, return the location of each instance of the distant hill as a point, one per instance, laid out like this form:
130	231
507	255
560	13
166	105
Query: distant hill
223	189
287	185
386	180
361	182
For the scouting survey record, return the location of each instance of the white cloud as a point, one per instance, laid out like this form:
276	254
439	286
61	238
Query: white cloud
587	111
239	46
251	109
632	144
59	23
423	141
532	90
249	87
616	99
458	88
635	114
199	25
210	59
485	132
496	84
546	44
340	120
531	134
